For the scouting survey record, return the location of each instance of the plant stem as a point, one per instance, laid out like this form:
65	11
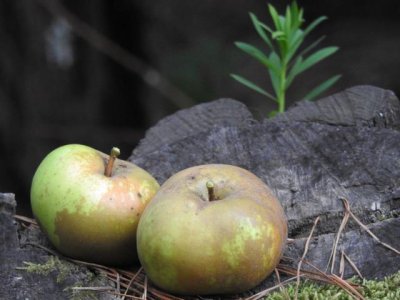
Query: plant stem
282	89
210	188
113	155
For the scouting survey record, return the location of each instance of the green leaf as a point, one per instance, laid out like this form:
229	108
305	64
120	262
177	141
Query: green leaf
267	28
297	15
301	34
294	71
314	24
321	88
279	35
296	68
294	44
276	62
298	37
254	52
252	86
274	81
312	46
299	19
317	57
288	21
275	17
261	30
275	76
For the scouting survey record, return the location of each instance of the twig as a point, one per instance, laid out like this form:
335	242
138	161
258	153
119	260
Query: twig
302	258
120	55
26	219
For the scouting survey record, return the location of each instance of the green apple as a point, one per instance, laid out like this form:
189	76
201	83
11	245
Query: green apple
89	204
211	229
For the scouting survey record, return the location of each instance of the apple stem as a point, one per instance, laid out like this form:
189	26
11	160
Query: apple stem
210	188
113	155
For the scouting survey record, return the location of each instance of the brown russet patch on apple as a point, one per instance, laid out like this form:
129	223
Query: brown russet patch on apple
104	240
191	273
107	233
193	278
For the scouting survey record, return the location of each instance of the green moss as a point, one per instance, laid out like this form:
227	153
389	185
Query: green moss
386	289
63	269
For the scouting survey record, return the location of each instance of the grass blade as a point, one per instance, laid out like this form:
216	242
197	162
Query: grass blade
322	87
252	86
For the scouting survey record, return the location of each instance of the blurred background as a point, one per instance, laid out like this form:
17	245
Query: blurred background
101	72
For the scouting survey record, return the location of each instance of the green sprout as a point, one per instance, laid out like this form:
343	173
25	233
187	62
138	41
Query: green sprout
285	61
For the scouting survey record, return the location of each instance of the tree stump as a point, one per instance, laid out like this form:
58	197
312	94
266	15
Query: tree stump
346	146
343	146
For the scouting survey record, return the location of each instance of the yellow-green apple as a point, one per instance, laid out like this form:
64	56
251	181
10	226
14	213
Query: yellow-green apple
211	229
89	203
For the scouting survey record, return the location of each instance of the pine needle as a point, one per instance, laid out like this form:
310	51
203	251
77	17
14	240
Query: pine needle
347	207
304	255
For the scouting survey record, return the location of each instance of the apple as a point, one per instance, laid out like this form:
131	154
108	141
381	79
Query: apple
89	204
211	229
